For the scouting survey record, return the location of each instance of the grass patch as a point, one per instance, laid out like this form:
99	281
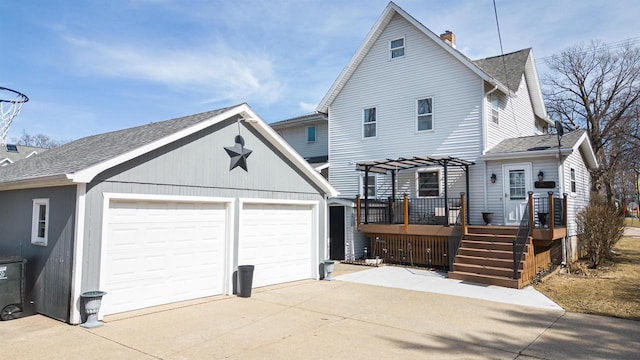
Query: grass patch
612	290
632	222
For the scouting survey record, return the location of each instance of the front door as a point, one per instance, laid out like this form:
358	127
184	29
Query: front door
516	186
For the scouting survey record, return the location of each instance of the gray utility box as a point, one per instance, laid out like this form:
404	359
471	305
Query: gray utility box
11	287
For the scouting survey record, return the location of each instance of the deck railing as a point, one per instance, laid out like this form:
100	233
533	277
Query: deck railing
423	211
549	216
457	233
522	237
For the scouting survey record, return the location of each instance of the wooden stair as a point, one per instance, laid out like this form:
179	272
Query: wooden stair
485	256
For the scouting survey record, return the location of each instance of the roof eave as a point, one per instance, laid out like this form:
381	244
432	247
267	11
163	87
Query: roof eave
526	154
41	182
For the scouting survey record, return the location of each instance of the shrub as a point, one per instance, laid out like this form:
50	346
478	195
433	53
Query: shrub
600	226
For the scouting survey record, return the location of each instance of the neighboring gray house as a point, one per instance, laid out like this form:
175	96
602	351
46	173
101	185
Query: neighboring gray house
411	115
10	153
158	213
308	135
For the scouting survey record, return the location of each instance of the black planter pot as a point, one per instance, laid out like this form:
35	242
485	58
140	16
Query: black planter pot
544	218
487	217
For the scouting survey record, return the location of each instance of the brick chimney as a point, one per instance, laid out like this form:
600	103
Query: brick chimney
449	38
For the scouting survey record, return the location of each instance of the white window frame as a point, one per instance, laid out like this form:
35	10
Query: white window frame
392	49
365	123
315	134
494	104
36	239
423	171
418	114
375	186
572	181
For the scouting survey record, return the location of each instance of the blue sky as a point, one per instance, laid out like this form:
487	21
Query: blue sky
95	66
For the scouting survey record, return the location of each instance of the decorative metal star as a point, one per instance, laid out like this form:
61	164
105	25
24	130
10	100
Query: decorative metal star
238	154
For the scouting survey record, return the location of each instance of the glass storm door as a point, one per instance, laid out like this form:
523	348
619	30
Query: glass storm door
516	188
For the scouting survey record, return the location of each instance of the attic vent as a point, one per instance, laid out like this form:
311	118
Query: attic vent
12	148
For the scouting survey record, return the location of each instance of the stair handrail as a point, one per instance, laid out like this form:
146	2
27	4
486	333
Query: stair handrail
455	239
522	237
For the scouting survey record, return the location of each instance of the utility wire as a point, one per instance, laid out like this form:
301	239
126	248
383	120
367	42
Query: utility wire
609	46
504	65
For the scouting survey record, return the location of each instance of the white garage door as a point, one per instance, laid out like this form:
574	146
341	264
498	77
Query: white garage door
162	252
278	240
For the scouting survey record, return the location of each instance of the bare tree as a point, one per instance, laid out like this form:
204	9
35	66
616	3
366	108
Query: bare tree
597	88
37	140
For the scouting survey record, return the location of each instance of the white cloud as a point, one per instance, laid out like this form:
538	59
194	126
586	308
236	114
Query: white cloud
217	72
307	107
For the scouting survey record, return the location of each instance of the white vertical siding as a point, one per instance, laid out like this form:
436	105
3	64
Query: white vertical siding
393	87
296	136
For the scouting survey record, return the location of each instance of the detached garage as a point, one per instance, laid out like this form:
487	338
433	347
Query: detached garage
162	213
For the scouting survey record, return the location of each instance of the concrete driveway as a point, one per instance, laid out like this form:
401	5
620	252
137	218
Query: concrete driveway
329	320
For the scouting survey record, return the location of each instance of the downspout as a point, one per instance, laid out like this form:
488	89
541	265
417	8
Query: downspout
561	187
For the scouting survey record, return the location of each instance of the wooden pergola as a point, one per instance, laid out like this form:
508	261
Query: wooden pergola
392	166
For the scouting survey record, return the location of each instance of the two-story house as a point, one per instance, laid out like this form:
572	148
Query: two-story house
414	123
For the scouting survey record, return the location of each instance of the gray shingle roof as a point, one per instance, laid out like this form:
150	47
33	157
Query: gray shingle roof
23	152
536	143
304	119
515	63
83	153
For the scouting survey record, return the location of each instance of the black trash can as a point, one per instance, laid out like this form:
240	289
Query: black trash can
11	287
245	280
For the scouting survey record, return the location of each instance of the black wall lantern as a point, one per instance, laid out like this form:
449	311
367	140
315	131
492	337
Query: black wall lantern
493	178
540	175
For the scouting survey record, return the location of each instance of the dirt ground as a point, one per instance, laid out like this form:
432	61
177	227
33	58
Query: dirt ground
611	290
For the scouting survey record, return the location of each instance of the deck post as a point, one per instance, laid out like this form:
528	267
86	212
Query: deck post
565	203
406	213
530	205
551	211
446	195
366	195
463	213
358	211
390	205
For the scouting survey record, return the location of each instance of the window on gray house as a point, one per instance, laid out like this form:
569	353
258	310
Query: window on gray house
311	134
397	48
429	183
40	222
369	122
425	114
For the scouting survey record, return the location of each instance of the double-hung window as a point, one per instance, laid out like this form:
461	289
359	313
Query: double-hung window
495	108
573	180
396	48
425	114
370	188
428	183
369	122
40	222
311	134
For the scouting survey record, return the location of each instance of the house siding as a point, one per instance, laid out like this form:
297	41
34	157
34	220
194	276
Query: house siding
393	87
576	200
188	168
296	136
495	192
48	271
516	116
